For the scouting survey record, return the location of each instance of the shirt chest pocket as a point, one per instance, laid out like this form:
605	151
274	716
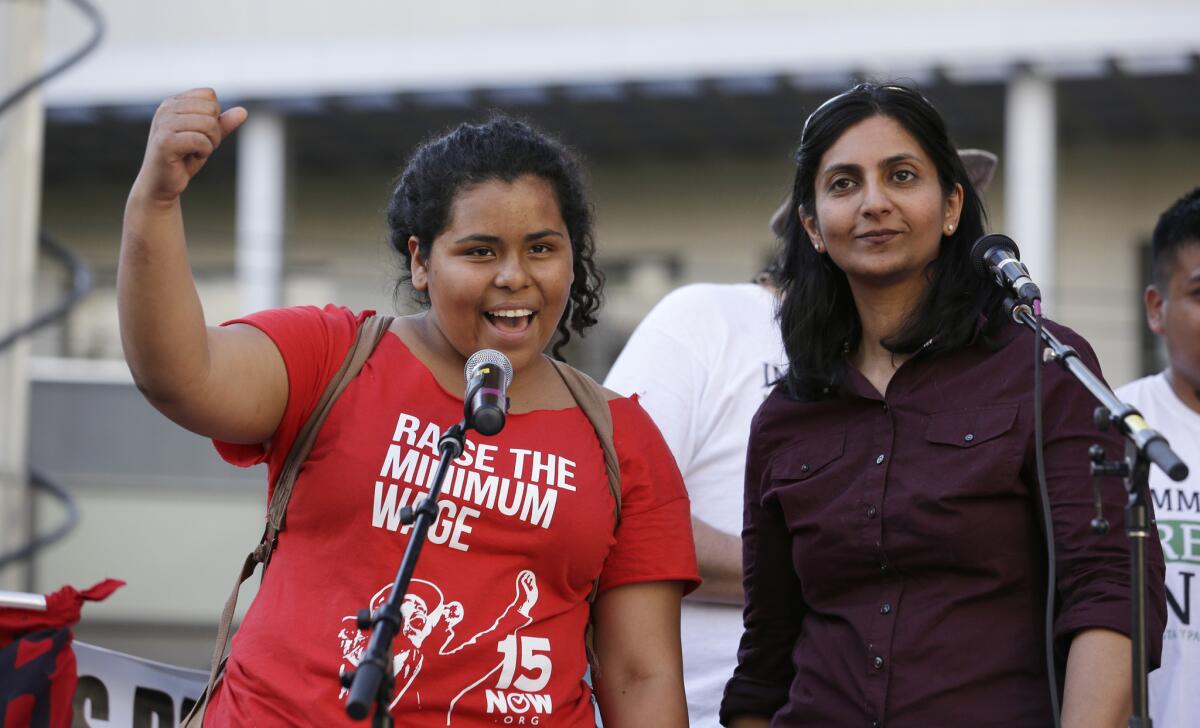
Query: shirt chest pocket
808	477
808	459
975	450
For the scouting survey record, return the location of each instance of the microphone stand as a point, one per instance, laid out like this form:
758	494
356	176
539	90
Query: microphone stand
372	681
1145	445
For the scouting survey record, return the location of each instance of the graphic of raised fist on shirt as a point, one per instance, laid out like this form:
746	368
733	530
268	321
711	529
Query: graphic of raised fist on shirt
456	668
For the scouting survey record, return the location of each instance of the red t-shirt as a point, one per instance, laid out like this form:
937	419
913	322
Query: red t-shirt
497	607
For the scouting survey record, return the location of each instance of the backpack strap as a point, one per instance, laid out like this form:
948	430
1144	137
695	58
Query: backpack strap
593	402
369	335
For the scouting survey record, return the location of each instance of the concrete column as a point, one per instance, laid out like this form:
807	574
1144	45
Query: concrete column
261	186
22	26
1030	154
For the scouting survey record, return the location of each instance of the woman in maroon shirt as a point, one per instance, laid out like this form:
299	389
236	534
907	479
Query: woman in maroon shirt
895	564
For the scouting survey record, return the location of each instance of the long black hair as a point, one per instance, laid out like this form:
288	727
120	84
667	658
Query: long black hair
500	149
818	317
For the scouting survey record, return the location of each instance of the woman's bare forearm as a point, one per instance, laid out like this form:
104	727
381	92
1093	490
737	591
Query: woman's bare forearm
1097	693
228	383
628	702
640	676
162	322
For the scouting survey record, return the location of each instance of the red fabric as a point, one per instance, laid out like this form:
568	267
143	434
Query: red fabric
37	666
28	651
500	589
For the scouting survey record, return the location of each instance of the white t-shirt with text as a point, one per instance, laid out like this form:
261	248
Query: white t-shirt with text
1175	686
701	363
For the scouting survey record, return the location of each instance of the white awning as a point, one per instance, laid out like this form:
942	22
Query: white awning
300	49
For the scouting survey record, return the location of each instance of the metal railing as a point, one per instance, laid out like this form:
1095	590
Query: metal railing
81	284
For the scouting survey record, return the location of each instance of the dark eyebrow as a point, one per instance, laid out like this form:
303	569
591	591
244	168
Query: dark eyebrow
835	169
856	169
477	238
495	240
897	158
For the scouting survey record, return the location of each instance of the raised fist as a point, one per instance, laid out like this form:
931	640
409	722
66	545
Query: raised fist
527	588
187	128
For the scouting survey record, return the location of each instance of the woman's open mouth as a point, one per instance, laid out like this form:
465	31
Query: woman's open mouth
511	321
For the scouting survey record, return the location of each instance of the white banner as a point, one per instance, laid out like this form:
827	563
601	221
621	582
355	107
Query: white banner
124	691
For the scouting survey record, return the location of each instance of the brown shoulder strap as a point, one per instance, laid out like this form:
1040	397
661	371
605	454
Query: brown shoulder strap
369	334
594	404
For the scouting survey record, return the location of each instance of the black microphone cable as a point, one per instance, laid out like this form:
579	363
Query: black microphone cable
1047	521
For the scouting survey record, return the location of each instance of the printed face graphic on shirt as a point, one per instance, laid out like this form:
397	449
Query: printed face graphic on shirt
454	668
416	619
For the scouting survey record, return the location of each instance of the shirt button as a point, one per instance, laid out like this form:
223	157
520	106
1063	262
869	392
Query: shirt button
968	437
877	662
879	460
886	608
804	468
871	511
875	724
885	407
883	568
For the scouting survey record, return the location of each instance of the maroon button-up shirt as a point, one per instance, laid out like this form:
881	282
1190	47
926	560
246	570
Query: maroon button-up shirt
895	566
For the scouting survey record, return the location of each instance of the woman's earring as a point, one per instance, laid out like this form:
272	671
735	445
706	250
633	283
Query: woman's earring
949	229
817	247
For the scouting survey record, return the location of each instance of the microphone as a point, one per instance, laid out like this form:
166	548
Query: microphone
998	256
488	374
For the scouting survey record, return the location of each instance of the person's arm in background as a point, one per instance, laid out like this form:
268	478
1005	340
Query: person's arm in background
659	364
229	383
719	556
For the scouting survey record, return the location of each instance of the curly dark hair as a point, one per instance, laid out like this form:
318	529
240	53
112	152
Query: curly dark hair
818	317
504	149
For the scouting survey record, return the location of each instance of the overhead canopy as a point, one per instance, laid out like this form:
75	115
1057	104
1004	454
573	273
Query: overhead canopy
276	49
363	81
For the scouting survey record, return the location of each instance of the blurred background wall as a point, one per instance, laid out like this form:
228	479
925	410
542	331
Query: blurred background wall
687	115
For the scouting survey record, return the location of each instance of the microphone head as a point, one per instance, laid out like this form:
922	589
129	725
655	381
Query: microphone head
484	357
982	246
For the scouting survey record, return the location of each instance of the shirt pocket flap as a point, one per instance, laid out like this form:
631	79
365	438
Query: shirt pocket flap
967	428
806	459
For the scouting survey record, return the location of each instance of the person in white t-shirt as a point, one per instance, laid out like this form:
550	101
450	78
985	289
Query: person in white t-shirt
701	363
1170	400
